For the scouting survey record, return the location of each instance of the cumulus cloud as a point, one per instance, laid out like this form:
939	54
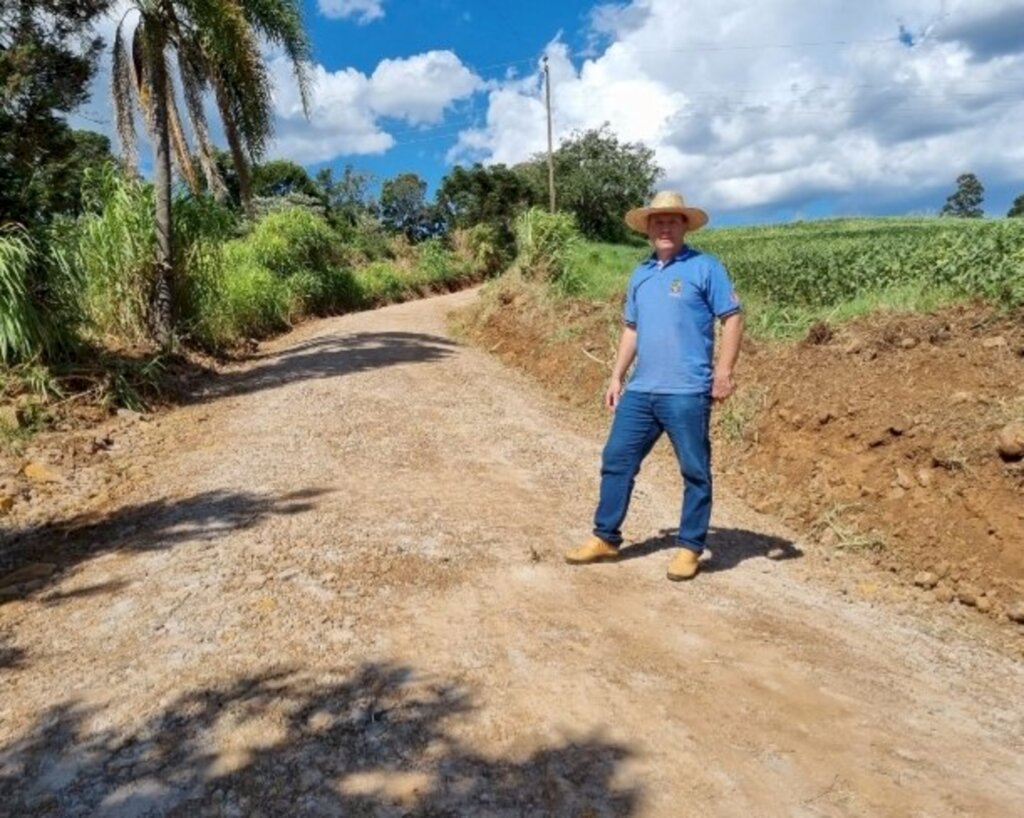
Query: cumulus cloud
780	103
363	11
341	119
989	28
347	105
420	88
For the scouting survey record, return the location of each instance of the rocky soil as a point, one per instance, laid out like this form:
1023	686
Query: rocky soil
331	585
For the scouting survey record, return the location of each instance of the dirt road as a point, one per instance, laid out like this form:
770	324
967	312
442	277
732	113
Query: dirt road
334	587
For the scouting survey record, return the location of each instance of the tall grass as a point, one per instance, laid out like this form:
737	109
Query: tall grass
292	264
112	246
546	244
21	327
37	290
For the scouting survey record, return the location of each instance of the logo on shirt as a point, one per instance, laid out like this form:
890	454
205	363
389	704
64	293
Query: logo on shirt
676	287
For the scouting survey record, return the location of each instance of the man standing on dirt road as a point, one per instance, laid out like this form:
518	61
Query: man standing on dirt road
672	301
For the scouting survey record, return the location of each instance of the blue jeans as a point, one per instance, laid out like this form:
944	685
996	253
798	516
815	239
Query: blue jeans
640	418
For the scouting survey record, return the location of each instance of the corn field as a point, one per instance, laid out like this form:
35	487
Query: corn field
818	264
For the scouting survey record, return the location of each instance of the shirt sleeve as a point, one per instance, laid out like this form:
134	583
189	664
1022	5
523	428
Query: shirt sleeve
629	308
721	294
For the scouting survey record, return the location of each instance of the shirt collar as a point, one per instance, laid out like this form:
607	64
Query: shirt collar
684	252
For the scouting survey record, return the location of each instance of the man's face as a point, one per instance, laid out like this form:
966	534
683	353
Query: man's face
666	230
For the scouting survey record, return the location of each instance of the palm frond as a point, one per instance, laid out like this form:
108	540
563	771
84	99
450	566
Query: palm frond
193	85
235	143
232	56
182	155
140	74
280	22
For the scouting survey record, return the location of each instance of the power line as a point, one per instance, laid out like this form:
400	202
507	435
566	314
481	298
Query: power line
700	47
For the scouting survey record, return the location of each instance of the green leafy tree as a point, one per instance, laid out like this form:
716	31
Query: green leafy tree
597	178
47	57
1017	208
216	46
346	198
404	208
63	179
965	201
282	177
483	195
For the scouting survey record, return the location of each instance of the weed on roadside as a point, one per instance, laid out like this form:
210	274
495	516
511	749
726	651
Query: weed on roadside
735	419
834	528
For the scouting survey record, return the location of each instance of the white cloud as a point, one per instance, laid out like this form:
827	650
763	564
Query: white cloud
364	11
420	88
346	105
341	120
779	103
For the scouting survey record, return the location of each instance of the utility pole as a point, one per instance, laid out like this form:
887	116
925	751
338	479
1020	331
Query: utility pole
551	161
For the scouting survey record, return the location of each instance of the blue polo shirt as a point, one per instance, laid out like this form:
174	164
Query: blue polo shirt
673	307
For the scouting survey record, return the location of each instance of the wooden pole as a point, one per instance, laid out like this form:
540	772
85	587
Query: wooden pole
551	160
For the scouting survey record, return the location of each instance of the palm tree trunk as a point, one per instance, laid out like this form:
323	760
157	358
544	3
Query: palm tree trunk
161	314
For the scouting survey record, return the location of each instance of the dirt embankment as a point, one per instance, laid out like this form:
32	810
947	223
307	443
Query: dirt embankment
881	438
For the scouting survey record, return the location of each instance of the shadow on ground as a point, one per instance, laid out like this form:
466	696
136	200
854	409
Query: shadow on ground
728	546
329	356
33	558
379	741
11	657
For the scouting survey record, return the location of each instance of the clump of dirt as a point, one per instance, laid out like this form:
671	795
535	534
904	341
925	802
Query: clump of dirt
881	437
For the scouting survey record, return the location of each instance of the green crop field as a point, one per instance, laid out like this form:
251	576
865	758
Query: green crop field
790	275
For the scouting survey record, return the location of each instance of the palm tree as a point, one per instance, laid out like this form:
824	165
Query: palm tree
215	45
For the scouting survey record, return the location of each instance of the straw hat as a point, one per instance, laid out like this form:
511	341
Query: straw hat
667	201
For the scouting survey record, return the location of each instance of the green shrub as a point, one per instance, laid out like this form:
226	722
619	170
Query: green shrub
380	283
435	262
198	218
544	243
254	300
341	291
295	240
484	248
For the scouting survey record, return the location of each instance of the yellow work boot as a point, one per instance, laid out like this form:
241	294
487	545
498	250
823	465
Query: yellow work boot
685	565
593	550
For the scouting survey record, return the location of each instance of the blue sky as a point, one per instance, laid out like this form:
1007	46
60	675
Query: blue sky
759	112
492	39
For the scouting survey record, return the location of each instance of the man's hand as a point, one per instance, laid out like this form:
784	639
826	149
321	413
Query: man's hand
611	396
722	386
732	334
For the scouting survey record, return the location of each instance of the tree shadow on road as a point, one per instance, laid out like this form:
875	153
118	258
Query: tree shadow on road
32	558
728	546
329	356
11	658
379	741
